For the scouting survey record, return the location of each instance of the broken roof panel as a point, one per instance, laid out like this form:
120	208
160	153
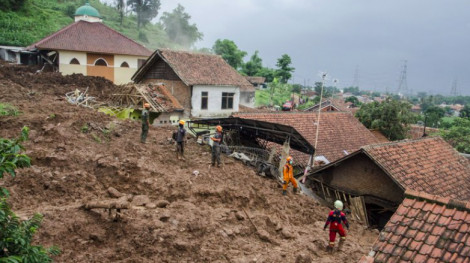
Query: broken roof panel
273	132
91	37
196	69
425	228
340	133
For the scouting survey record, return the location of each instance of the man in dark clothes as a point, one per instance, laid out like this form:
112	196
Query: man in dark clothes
180	136
145	123
217	140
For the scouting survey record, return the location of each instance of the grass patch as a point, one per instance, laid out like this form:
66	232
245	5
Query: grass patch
8	110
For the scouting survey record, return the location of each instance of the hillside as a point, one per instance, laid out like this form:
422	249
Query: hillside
40	18
187	218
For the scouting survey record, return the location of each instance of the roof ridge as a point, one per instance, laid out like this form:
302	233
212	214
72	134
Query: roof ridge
376	145
445	201
188	52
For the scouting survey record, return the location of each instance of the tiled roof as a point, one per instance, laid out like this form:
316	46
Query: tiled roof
91	37
339	131
429	164
255	80
379	135
196	69
425	228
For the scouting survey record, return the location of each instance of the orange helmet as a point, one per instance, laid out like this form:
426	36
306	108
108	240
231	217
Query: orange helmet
146	105
181	122
289	158
218	128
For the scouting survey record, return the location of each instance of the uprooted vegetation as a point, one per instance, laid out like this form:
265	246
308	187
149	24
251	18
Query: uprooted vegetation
174	213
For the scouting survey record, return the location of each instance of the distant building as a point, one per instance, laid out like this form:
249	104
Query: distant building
91	48
204	84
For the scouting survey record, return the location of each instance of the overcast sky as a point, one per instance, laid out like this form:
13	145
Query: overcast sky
342	37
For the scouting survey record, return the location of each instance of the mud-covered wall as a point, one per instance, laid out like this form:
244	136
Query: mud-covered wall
362	176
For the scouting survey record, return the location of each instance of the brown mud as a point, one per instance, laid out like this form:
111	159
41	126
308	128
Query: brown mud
176	216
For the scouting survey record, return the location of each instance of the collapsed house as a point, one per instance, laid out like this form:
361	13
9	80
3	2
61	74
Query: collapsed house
339	135
424	228
379	175
90	48
204	84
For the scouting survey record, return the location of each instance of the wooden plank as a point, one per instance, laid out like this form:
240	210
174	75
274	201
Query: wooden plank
365	211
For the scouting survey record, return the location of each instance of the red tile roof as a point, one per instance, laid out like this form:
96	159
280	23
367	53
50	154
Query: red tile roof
429	165
91	37
425	228
197	69
255	80
339	131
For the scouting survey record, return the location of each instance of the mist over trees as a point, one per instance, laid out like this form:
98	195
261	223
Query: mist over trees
179	30
145	10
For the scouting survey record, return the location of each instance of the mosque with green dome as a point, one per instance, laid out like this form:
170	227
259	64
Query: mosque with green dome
91	48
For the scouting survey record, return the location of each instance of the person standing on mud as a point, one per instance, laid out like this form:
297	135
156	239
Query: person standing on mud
335	220
180	139
289	176
145	123
217	140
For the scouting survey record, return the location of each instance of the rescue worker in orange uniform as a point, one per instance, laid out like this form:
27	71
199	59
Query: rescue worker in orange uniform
335	220
289	176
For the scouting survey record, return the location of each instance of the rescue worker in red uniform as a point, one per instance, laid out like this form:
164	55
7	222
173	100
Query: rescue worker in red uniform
335	220
289	176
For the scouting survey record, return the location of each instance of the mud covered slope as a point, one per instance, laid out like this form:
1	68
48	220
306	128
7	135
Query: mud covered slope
77	154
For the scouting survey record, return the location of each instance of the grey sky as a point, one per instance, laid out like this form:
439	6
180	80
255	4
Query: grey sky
339	36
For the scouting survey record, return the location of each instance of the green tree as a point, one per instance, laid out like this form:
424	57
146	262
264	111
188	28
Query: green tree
253	66
16	235
121	7
14	5
433	116
465	112
229	52
354	100
284	70
146	10
267	73
296	88
459	135
179	30
391	117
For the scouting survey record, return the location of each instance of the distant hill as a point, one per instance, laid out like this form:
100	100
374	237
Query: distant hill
39	18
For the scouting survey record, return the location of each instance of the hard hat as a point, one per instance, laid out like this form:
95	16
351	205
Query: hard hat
181	122
289	158
218	128
146	105
339	205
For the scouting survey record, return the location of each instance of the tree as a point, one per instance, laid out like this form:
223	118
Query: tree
146	10
297	88
179	30
354	100
267	73
16	235
391	117
229	52
433	116
284	70
13	5
121	7
253	66
465	112
459	135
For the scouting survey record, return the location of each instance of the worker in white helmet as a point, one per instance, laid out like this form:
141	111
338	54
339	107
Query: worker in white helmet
335	219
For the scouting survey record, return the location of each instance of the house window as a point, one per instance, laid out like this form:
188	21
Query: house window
101	62
227	100
124	65
204	100
74	61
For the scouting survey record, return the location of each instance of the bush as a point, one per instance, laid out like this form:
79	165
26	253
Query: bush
8	110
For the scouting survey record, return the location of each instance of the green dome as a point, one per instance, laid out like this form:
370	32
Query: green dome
87	10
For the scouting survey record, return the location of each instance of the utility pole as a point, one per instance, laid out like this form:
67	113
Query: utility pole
403	85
